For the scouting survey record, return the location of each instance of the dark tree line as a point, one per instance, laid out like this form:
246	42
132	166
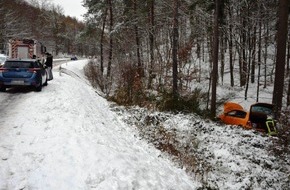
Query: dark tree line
44	22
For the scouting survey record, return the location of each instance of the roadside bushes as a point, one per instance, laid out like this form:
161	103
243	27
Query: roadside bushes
189	103
97	79
129	88
94	75
159	130
281	144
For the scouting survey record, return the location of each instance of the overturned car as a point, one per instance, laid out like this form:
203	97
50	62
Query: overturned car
260	117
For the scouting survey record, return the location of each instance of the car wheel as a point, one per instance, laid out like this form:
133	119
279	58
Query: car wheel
2	89
45	84
39	88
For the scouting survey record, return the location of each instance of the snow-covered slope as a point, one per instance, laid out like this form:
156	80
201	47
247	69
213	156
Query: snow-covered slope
222	157
66	137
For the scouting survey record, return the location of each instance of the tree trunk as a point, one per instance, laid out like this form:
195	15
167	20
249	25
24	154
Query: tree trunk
281	55
266	54
259	54
222	53
239	50
288	94
102	40
288	56
244	31
151	41
137	40
111	38
215	58
244	57
231	51
175	49
258	82
253	68
2	26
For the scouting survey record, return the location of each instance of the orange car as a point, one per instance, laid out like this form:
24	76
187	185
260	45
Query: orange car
234	114
260	116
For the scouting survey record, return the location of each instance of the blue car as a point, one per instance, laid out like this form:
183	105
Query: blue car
23	72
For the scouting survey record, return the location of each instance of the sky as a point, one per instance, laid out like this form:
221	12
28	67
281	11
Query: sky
71	8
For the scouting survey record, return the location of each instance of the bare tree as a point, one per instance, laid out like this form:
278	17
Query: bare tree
175	49
110	4
151	17
281	55
104	20
215	58
12	24
137	37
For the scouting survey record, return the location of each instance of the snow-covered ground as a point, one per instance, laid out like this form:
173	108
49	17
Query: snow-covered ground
66	137
223	157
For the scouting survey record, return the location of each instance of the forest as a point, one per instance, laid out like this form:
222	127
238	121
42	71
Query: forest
153	53
43	21
167	46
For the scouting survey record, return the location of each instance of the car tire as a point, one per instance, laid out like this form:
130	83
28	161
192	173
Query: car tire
39	88
2	89
45	84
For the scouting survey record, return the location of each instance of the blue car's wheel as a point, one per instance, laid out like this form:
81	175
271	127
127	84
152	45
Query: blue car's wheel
45	84
39	88
2	89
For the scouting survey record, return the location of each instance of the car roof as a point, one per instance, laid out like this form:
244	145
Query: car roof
229	106
267	105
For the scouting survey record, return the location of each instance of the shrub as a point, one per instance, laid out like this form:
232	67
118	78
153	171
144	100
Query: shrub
281	144
130	87
94	75
187	104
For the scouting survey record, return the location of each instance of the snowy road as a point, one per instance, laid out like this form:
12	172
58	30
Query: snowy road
66	137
